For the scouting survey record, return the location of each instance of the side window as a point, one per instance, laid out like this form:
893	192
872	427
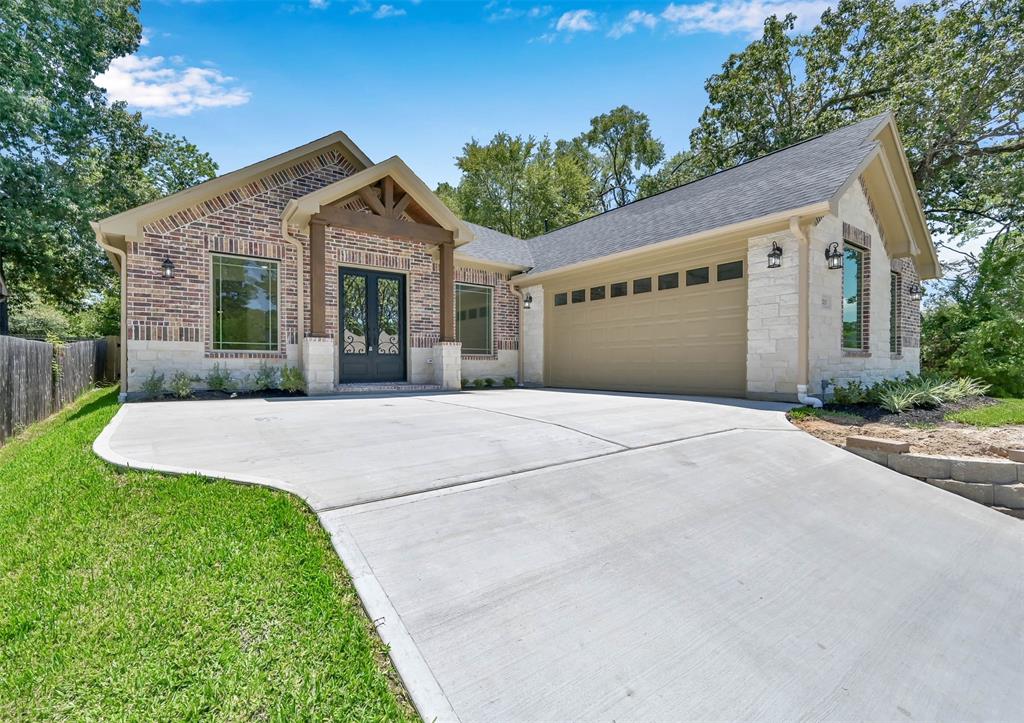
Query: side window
697	276
853	301
245	309
895	312
619	288
474	331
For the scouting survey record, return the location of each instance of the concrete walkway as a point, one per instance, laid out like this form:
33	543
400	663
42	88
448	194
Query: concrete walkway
537	554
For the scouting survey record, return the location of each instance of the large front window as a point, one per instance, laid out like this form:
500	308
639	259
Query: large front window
853	290
244	304
473	306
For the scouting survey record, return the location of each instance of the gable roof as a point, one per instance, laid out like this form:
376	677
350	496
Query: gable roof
298	211
803	179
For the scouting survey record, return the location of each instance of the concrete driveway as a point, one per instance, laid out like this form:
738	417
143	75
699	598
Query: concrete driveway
540	554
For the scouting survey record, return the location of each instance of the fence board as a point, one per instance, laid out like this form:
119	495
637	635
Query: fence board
27	389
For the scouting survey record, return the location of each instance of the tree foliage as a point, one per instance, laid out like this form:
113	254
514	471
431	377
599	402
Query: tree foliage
624	153
66	155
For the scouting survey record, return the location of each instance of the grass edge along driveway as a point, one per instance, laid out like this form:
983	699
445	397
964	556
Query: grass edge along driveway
136	595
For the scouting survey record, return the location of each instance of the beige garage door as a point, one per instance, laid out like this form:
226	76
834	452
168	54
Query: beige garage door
676	325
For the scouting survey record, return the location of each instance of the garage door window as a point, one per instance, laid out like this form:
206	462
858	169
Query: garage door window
620	288
596	293
668	281
697	276
561	299
642	286
579	296
473	306
730	271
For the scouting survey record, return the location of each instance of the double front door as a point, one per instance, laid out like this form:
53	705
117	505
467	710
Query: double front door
372	326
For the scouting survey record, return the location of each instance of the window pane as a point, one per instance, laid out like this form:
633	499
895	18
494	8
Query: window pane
642	286
475	330
596	293
730	271
894	312
697	276
353	304
668	281
245	304
388	340
852	283
579	296
561	299
620	288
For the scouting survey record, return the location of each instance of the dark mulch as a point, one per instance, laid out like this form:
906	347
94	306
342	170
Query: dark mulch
214	394
874	413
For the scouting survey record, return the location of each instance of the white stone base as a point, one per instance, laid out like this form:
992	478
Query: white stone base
318	364
447	361
505	364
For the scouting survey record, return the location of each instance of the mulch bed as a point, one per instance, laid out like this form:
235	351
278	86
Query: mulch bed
874	413
208	394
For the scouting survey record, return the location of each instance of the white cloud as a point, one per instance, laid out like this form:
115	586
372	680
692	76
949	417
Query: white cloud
149	84
318	4
576	21
538	11
629	23
740	16
361	6
388	11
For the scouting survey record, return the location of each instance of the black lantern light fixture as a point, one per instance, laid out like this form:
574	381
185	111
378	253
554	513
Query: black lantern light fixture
834	256
775	256
915	292
168	267
527	301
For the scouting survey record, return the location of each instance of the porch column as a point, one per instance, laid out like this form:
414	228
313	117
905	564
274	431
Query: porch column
447	291
317	282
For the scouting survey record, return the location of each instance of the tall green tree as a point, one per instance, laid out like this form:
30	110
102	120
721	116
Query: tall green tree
66	156
625	151
949	70
518	185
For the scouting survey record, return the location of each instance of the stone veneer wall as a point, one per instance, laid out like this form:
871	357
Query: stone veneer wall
773	309
533	338
170	320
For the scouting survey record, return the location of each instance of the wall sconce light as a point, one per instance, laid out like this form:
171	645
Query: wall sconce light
528	301
915	292
168	267
775	256
834	256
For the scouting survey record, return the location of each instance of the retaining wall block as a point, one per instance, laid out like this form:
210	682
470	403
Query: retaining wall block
981	493
1011	496
921	465
976	470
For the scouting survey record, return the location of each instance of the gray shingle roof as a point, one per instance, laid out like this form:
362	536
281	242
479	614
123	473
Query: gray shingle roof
491	245
802	174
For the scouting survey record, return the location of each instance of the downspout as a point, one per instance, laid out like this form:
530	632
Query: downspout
519	343
803	319
123	257
300	271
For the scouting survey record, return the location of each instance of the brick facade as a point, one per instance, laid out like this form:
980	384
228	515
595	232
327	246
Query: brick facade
170	320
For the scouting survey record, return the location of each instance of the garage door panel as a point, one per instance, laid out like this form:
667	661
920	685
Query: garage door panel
691	339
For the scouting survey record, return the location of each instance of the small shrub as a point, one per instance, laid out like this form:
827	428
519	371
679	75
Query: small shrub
508	382
479	383
851	393
181	385
219	379
265	377
465	384
292	379
153	386
489	383
898	398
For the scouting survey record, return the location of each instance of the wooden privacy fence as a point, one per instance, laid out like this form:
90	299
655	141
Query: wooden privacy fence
34	384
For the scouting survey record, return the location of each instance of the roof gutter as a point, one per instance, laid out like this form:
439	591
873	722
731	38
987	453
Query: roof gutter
781	218
300	288
122	256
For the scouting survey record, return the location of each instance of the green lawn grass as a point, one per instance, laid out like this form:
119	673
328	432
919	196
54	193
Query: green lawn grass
1007	411
136	596
832	416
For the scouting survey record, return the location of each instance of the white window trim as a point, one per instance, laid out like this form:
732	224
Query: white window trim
490	330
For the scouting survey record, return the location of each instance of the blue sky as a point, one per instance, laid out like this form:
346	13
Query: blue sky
246	80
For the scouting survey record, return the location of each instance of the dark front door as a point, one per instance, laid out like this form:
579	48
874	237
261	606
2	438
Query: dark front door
372	326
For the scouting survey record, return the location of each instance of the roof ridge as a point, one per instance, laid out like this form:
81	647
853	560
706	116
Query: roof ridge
711	175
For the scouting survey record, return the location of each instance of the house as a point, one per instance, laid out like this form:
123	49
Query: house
766	280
